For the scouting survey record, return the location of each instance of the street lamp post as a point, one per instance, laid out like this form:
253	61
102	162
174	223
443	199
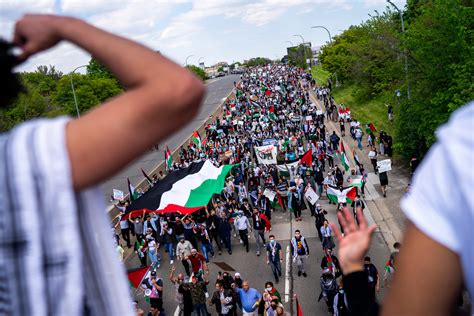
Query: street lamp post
73	91
199	61
405	52
291	43
330	41
186	62
304	48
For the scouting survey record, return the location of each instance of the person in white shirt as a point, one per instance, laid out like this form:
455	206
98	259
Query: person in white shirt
243	226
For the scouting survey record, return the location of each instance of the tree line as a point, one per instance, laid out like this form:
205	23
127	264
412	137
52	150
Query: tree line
437	50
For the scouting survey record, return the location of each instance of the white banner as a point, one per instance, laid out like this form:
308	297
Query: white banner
118	195
266	155
311	196
269	194
384	165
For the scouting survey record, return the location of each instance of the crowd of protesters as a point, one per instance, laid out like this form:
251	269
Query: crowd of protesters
271	106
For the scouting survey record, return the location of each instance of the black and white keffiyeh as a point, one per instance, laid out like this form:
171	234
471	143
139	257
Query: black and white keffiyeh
56	251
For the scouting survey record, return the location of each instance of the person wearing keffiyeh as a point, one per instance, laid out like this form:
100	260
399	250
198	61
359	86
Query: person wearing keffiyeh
81	274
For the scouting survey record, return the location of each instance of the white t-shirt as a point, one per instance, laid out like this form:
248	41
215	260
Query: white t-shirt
440	202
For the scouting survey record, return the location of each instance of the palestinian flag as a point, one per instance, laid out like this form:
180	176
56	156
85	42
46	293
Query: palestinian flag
344	160
307	158
271	113
147	177
131	190
168	159
185	191
136	276
196	139
356	157
356	181
347	195
299	311
284	169
370	128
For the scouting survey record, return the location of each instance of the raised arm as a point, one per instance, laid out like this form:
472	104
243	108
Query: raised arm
160	98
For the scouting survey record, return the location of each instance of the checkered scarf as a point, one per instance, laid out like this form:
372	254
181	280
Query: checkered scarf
56	250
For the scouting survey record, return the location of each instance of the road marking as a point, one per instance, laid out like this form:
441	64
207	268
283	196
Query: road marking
287	275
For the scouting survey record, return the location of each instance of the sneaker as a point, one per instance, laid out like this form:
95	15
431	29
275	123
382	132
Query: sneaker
220	252
230	252
172	261
258	253
279	273
241	241
235	235
299	273
304	274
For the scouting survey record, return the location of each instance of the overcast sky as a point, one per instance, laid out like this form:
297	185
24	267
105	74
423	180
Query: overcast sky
217	30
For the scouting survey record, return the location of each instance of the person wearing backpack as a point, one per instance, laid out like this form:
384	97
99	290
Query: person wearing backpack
329	289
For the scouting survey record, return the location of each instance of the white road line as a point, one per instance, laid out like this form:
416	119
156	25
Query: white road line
287	275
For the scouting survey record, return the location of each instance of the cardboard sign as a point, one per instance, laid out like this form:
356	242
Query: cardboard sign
117	194
311	196
309	118
384	165
269	194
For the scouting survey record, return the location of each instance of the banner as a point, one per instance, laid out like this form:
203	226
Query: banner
266	155
269	194
118	195
311	196
384	165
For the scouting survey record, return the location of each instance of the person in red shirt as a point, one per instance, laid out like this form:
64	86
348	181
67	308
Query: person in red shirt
198	262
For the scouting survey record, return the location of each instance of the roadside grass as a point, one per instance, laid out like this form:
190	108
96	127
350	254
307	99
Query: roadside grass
320	75
368	111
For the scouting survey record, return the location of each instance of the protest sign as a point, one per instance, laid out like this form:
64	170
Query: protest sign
311	196
266	155
269	194
117	194
384	165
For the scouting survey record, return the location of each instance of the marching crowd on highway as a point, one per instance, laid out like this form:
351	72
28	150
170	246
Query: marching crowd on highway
271	107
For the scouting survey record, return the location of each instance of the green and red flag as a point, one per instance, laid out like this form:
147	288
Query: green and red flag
271	113
132	191
344	160
196	139
370	128
136	276
307	158
344	195
168	159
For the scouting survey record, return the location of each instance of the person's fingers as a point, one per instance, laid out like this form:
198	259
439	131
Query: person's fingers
336	231
371	230
350	222
361	218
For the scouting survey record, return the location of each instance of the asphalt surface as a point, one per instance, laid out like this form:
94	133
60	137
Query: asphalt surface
255	269
217	91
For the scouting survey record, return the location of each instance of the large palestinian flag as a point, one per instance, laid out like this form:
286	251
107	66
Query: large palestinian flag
185	191
346	195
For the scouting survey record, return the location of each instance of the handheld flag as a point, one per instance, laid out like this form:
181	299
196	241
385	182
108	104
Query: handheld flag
132	192
147	177
136	276
196	139
168	159
344	160
346	195
307	158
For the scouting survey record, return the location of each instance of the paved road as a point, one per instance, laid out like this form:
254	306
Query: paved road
216	91
255	269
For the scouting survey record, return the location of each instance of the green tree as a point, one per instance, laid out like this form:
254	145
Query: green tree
198	71
258	61
298	55
96	69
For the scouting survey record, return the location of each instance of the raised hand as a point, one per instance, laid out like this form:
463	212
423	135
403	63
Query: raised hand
354	244
37	32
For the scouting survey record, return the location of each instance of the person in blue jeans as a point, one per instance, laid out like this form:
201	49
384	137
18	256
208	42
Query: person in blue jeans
249	298
167	239
206	245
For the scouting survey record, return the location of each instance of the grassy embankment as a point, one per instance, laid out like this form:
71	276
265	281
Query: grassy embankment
366	111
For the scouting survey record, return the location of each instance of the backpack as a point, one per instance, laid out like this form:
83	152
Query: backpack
329	287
